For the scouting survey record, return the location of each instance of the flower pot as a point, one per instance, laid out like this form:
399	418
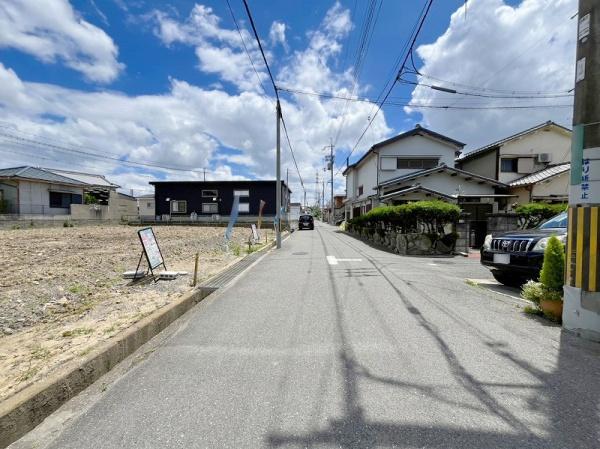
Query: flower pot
552	308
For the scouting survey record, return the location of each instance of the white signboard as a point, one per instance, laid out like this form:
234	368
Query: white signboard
151	249
589	190
584	27
255	233
580	70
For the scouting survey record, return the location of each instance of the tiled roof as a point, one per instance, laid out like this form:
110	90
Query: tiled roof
493	145
541	175
37	174
87	178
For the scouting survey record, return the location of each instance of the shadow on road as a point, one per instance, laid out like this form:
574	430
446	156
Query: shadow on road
568	397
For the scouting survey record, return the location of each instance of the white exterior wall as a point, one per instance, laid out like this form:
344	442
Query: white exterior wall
416	147
366	175
351	184
558	185
34	197
146	207
555	142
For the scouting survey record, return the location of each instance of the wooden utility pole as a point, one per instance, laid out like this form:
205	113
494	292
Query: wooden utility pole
581	307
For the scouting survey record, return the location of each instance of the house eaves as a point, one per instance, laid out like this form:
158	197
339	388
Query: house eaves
492	146
417	188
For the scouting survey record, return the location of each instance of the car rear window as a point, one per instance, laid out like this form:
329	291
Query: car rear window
305	217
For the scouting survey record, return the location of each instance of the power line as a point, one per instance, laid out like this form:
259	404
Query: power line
246	48
362	51
396	103
292	151
274	88
412	43
484	89
473	94
262	52
23	141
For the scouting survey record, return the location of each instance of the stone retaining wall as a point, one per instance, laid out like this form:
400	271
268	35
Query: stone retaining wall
406	244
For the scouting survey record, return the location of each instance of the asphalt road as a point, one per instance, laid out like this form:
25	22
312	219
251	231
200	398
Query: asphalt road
362	349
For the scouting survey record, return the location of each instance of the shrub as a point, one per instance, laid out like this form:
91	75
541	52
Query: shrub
552	274
533	291
532	214
421	216
88	198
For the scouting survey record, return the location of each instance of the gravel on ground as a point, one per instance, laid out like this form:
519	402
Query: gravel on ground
62	291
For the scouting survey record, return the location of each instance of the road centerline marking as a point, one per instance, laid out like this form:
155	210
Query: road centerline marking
332	260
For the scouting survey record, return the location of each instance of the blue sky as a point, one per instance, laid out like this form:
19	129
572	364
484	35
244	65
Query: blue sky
168	83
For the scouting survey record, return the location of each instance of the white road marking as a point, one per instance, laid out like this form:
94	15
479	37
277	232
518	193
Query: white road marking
332	260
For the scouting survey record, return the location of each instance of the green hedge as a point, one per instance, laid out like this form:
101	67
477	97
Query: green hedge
420	216
532	214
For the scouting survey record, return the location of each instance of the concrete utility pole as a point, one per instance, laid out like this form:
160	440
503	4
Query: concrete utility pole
330	159
278	181
331	166
581	308
322	202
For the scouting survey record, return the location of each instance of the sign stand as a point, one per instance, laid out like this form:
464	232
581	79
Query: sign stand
152	251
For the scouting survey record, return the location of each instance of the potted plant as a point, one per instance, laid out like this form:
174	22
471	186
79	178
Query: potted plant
552	278
547	293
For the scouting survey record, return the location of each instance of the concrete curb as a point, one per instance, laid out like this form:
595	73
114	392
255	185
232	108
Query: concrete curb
26	409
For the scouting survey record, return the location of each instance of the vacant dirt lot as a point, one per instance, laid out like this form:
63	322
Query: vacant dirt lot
62	291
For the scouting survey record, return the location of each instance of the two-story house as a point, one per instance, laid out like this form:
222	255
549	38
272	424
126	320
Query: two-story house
419	165
535	163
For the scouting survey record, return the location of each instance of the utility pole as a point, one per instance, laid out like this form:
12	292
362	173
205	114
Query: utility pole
581	306
323	197
330	160
204	170
278	181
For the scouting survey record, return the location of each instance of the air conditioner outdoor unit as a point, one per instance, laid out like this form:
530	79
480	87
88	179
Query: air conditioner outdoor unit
544	157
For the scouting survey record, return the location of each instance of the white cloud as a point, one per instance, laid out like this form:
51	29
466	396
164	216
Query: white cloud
529	47
187	125
219	50
277	34
51	31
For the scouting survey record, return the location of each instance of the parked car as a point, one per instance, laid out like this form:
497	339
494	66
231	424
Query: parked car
517	256
306	222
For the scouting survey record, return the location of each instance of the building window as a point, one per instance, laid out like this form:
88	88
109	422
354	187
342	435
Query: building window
360	190
61	200
210	208
148	205
178	207
210	193
244	208
509	165
241	193
417	164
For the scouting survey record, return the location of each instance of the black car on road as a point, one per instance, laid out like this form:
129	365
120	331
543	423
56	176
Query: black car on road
517	256
306	222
